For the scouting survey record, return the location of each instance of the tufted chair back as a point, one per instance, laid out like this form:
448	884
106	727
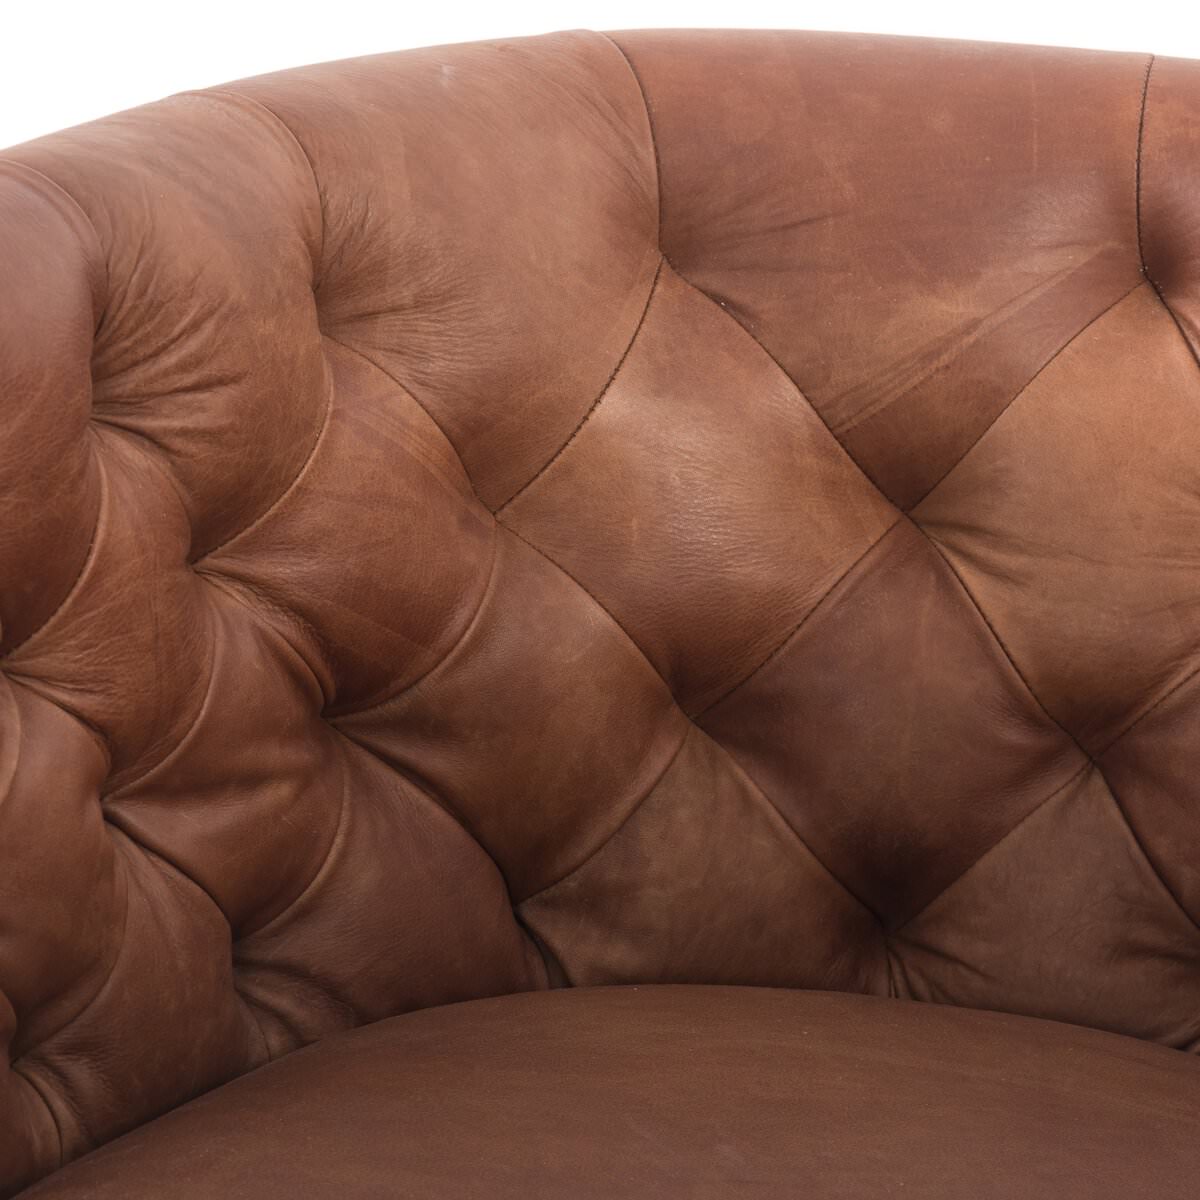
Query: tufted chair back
673	507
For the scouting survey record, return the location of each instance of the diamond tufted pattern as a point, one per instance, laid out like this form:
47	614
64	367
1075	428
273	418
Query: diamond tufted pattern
673	507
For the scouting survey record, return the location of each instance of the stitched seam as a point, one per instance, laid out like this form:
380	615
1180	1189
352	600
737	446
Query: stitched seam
733	762
596	850
1004	837
269	617
757	788
429	795
410	777
100	253
152	453
1091	759
658	174
177	748
795	630
335	713
1000	642
1137	165
921	367
1153	708
415	399
795	386
317	875
37	687
595	403
595	600
997	638
1179	327
326	420
225	94
1025	387
937	548
737	766
157	856
151	853
1137	841
1158	291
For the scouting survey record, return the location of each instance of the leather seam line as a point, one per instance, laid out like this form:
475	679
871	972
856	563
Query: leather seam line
1195	354
1187	678
326	421
737	766
733	762
761	792
595	851
314	879
416	400
1073	778
268	615
658	174
997	638
595	404
1142	851
795	630
34	686
151	853
151	451
937	549
962	584
795	386
1137	165
1092	759
429	795
335	714
128	785
157	855
1157	287
224	93
1024	388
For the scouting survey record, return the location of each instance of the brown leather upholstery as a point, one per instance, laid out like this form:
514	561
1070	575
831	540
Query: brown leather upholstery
677	507
700	1093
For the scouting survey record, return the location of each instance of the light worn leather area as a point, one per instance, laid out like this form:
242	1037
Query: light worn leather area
678	507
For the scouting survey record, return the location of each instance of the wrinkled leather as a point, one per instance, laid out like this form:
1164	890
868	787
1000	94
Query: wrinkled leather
677	507
681	1092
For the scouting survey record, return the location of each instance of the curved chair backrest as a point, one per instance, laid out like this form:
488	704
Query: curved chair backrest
695	507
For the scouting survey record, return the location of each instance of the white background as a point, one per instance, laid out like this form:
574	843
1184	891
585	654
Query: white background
63	62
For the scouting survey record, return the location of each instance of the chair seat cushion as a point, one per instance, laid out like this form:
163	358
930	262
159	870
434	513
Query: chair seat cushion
680	1092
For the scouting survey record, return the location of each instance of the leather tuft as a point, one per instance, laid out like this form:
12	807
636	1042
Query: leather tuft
677	507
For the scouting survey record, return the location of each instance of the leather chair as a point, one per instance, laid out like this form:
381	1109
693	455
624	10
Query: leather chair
676	555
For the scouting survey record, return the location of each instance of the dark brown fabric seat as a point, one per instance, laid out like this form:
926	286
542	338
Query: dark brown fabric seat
680	1092
700	508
